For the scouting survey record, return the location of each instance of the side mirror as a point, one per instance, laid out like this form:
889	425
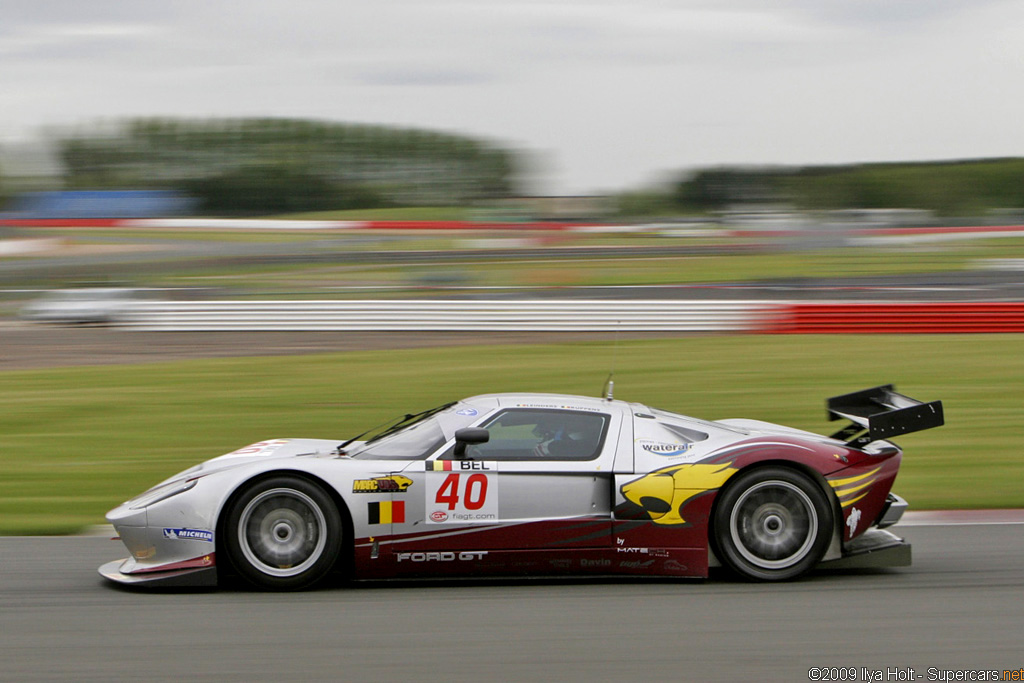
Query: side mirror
467	436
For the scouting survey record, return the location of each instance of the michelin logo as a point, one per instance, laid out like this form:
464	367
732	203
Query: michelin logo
188	535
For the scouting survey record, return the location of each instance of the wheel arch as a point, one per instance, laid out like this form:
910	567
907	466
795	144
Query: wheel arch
803	468
344	561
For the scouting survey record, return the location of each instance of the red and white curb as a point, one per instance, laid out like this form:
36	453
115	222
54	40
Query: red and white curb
961	517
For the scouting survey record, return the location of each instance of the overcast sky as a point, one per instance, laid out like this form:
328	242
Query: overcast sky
606	94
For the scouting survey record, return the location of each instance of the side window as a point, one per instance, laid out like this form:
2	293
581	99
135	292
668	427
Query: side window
542	434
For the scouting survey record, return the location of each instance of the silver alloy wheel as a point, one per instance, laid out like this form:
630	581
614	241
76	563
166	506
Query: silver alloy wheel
774	524
282	532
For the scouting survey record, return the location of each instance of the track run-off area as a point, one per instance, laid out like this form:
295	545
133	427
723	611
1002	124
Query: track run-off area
959	608
955	614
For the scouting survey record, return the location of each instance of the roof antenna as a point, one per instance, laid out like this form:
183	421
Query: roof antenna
609	385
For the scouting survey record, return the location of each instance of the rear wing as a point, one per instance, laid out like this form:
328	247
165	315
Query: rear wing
882	413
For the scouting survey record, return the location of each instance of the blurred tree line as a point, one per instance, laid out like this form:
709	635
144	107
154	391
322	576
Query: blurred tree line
948	188
258	166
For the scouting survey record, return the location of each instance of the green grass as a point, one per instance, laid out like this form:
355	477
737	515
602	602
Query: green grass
74	442
547	271
551	269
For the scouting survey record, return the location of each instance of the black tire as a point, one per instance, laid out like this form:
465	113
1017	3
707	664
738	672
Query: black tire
772	524
283	533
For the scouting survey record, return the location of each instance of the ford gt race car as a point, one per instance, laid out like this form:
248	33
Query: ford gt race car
532	485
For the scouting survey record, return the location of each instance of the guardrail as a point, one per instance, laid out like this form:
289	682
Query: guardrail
898	318
579	315
560	315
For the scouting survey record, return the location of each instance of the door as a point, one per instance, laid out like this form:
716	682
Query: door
543	481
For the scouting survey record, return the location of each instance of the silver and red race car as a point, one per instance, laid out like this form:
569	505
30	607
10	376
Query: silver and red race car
534	485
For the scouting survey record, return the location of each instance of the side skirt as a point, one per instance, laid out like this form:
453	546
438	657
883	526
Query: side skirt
395	563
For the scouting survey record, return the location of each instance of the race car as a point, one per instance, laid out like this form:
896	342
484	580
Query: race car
533	485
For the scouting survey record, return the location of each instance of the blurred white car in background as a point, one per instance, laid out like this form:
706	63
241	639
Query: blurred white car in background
88	305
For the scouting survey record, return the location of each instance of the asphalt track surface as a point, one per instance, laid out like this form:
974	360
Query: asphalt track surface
27	345
960	607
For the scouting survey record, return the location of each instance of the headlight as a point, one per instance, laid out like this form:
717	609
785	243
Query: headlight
163	492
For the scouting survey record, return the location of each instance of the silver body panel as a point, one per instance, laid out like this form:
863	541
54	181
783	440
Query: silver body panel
172	531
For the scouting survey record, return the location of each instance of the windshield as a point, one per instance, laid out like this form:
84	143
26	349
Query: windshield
416	440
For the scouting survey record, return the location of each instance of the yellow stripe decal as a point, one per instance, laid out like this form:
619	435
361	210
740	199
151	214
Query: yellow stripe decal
854	500
853	489
836	483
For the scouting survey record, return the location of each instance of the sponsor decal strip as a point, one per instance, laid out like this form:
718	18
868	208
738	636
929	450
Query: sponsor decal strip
396	483
441	556
432	535
557	407
188	535
667	450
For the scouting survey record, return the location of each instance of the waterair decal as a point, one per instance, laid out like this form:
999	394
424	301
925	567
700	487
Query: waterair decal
467	412
260	448
664	449
188	535
396	483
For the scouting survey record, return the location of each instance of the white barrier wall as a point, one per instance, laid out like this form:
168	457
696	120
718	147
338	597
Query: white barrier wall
559	315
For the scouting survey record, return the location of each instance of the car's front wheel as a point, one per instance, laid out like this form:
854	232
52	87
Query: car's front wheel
772	524
283	533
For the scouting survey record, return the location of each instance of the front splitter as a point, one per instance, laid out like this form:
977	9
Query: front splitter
200	577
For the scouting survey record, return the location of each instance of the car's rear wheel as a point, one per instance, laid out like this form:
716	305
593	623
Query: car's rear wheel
772	524
283	533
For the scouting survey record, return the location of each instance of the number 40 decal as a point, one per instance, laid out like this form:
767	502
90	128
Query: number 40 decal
474	495
462	497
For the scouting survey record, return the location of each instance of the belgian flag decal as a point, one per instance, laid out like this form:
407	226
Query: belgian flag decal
386	512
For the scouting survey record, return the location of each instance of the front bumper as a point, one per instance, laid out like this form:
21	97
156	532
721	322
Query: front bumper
172	543
892	512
